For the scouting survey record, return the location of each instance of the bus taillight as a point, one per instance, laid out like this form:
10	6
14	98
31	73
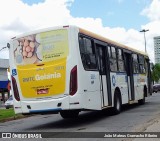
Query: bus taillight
73	81
15	89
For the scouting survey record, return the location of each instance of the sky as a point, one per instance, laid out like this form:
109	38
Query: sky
118	20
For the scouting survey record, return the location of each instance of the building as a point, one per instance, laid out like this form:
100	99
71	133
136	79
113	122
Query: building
4	65
157	49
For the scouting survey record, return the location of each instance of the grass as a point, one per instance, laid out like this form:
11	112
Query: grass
8	114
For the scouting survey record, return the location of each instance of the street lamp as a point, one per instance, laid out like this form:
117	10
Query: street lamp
144	37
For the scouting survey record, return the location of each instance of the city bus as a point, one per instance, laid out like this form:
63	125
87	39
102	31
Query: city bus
67	69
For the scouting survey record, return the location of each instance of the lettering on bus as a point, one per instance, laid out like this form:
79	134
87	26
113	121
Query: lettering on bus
29	79
38	77
42	87
59	68
47	76
93	76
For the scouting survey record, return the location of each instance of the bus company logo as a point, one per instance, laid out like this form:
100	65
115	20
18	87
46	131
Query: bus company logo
6	135
113	80
43	91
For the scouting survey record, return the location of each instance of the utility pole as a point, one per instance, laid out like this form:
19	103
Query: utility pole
144	31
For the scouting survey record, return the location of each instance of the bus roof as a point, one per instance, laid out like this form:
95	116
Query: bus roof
86	32
101	38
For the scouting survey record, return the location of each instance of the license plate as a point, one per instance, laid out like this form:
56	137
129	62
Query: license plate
42	91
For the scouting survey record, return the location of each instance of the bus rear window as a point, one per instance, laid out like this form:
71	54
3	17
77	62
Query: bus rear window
42	47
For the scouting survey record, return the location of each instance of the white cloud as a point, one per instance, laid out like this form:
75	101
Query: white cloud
18	17
87	23
23	18
27	17
153	11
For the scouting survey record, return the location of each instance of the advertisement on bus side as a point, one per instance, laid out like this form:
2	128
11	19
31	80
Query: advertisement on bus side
41	63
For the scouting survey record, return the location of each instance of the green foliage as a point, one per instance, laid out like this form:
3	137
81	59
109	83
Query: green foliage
156	72
4	113
8	114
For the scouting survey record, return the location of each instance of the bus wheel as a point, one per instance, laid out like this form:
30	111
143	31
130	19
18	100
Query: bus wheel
117	104
142	101
69	113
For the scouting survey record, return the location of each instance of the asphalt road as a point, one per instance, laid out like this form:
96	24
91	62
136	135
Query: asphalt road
133	118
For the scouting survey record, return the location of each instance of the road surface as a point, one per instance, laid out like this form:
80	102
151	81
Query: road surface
133	118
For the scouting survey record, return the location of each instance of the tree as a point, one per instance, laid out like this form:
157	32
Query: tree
156	72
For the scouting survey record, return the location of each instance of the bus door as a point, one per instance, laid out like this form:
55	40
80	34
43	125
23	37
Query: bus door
104	75
149	80
129	70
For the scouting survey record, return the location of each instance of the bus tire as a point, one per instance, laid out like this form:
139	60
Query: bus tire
69	113
117	103
142	101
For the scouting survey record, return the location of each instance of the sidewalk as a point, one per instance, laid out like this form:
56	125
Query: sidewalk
152	127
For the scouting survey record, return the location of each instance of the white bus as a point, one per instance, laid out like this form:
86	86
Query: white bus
68	69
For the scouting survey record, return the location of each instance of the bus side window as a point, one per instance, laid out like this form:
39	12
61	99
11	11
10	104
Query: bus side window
102	60
109	52
82	52
113	60
135	63
120	57
87	53
119	54
81	44
146	66
113	52
141	64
